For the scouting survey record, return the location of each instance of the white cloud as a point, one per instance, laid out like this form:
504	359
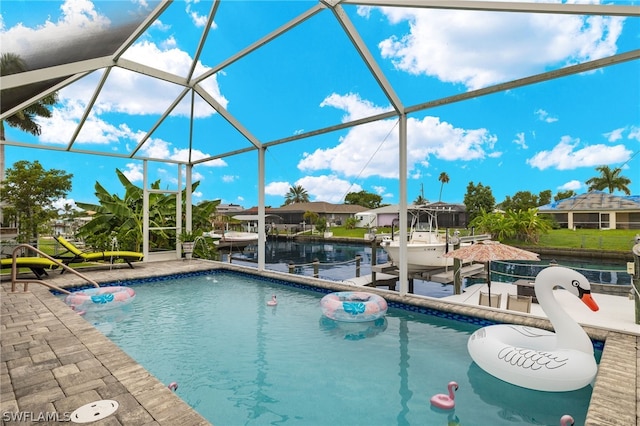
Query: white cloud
133	172
354	106
79	20
567	156
544	116
379	189
520	140
277	188
160	26
60	204
572	185
634	133
372	149
199	20
614	135
327	188
229	178
478	49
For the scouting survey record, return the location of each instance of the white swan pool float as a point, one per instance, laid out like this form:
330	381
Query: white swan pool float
535	358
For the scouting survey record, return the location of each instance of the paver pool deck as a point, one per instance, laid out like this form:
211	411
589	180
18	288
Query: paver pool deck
52	361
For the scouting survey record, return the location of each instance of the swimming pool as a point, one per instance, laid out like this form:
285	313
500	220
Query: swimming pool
239	361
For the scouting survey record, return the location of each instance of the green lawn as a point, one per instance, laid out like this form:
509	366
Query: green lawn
613	239
594	239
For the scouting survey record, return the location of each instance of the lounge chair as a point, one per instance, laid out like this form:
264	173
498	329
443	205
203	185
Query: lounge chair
80	256
493	300
519	303
38	265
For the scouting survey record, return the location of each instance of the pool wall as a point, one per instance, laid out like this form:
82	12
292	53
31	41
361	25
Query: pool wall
30	317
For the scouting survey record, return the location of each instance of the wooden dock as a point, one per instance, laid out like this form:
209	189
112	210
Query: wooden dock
439	275
446	277
381	280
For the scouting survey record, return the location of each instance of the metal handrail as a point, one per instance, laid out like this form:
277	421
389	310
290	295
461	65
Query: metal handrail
14	271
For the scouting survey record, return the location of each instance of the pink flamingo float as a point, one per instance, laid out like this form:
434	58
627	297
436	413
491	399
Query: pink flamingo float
566	420
273	301
445	402
173	386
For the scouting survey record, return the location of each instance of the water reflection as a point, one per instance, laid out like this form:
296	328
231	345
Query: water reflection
513	403
353	330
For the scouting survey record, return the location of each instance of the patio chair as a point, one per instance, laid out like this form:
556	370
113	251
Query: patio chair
519	303
80	256
495	299
38	265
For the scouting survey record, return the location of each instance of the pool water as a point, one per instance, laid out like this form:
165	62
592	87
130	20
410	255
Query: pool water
238	361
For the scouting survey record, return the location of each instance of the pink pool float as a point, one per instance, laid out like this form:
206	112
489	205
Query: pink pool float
445	402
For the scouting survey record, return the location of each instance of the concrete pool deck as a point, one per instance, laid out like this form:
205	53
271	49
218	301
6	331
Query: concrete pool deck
52	361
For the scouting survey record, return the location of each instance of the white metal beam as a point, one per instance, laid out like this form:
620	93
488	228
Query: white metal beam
367	57
538	78
146	23
228	116
175	102
500	6
151	72
203	38
89	106
59	71
264	40
52	89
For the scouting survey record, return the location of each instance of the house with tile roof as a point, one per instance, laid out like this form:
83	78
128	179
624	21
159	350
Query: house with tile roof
595	210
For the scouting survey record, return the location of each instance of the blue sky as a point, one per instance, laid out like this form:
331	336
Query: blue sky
549	135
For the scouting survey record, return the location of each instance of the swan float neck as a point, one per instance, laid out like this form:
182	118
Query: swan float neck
568	331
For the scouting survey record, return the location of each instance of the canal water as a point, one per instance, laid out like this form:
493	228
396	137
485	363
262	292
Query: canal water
337	262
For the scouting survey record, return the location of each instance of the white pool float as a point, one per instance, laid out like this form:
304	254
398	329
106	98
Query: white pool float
535	358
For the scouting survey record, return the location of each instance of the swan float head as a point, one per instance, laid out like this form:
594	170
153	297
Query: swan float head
536	358
569	279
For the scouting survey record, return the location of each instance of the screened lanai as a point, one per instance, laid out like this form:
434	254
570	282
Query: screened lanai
110	59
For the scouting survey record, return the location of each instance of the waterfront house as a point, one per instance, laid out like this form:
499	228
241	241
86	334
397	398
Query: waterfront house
595	210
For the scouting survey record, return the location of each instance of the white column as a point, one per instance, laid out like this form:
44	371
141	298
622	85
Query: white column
189	190
261	210
402	169
145	211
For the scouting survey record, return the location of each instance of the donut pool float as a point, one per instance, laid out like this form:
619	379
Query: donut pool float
100	298
353	306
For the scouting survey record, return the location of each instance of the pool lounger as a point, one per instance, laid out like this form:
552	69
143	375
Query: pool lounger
38	265
111	256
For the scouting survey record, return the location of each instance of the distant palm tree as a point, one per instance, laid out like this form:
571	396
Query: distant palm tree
443	178
420	200
609	179
10	63
296	194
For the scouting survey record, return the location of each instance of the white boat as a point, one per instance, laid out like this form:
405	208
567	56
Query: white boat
234	238
425	247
